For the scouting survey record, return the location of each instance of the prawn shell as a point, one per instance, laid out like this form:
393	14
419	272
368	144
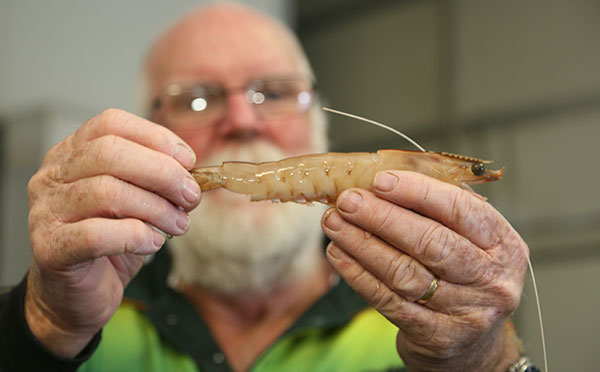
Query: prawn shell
322	177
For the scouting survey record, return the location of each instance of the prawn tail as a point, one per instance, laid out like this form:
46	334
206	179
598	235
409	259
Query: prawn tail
208	178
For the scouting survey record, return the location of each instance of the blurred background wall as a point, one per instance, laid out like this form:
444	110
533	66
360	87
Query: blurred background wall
514	81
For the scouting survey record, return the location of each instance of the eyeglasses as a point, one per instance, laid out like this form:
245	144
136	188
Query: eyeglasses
206	103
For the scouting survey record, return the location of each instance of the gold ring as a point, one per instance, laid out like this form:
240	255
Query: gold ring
430	292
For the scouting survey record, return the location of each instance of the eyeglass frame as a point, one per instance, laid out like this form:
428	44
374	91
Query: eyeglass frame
247	88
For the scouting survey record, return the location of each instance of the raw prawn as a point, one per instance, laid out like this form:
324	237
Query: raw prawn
322	177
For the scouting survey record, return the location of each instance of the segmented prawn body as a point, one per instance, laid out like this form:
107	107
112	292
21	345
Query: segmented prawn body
322	177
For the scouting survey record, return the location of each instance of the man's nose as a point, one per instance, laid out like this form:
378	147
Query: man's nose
241	117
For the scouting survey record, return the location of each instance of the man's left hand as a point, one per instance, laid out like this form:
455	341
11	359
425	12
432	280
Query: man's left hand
392	243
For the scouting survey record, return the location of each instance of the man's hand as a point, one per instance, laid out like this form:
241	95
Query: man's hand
391	244
92	205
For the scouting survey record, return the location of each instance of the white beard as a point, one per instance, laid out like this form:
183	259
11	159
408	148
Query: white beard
236	246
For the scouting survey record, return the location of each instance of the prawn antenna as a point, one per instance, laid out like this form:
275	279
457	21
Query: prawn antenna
378	124
539	310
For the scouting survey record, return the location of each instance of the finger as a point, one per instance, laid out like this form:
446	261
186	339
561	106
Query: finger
93	238
446	253
106	196
399	272
455	208
133	163
407	315
136	129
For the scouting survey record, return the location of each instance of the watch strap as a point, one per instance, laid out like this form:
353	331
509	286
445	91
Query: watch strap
524	365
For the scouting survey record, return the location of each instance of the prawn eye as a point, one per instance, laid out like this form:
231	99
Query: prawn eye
478	169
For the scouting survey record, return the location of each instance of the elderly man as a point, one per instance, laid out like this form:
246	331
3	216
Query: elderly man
248	287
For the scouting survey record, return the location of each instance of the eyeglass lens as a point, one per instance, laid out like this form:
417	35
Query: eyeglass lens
202	104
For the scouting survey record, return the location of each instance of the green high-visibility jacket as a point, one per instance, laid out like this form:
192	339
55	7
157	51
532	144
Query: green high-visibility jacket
156	329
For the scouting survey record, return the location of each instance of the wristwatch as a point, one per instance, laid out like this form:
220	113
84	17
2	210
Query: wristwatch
524	365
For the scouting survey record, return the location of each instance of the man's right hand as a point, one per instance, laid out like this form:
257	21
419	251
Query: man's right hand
92	205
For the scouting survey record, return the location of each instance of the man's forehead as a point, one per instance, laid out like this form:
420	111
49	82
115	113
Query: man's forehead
226	46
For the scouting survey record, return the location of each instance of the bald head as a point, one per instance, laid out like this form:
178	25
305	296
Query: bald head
223	41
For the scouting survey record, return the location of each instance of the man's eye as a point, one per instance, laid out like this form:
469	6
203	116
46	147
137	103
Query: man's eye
272	95
181	103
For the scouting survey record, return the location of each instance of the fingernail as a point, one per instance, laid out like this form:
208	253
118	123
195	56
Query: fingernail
158	239
191	191
385	181
335	252
184	155
182	221
333	221
327	214
351	202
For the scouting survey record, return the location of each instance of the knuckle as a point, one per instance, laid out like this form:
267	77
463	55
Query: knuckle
77	191
430	241
425	191
461	206
107	194
108	143
39	216
41	185
418	190
507	296
358	243
487	276
58	151
384	300
356	276
484	320
38	240
110	121
110	117
105	122
105	150
401	273
34	217
383	219
33	187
